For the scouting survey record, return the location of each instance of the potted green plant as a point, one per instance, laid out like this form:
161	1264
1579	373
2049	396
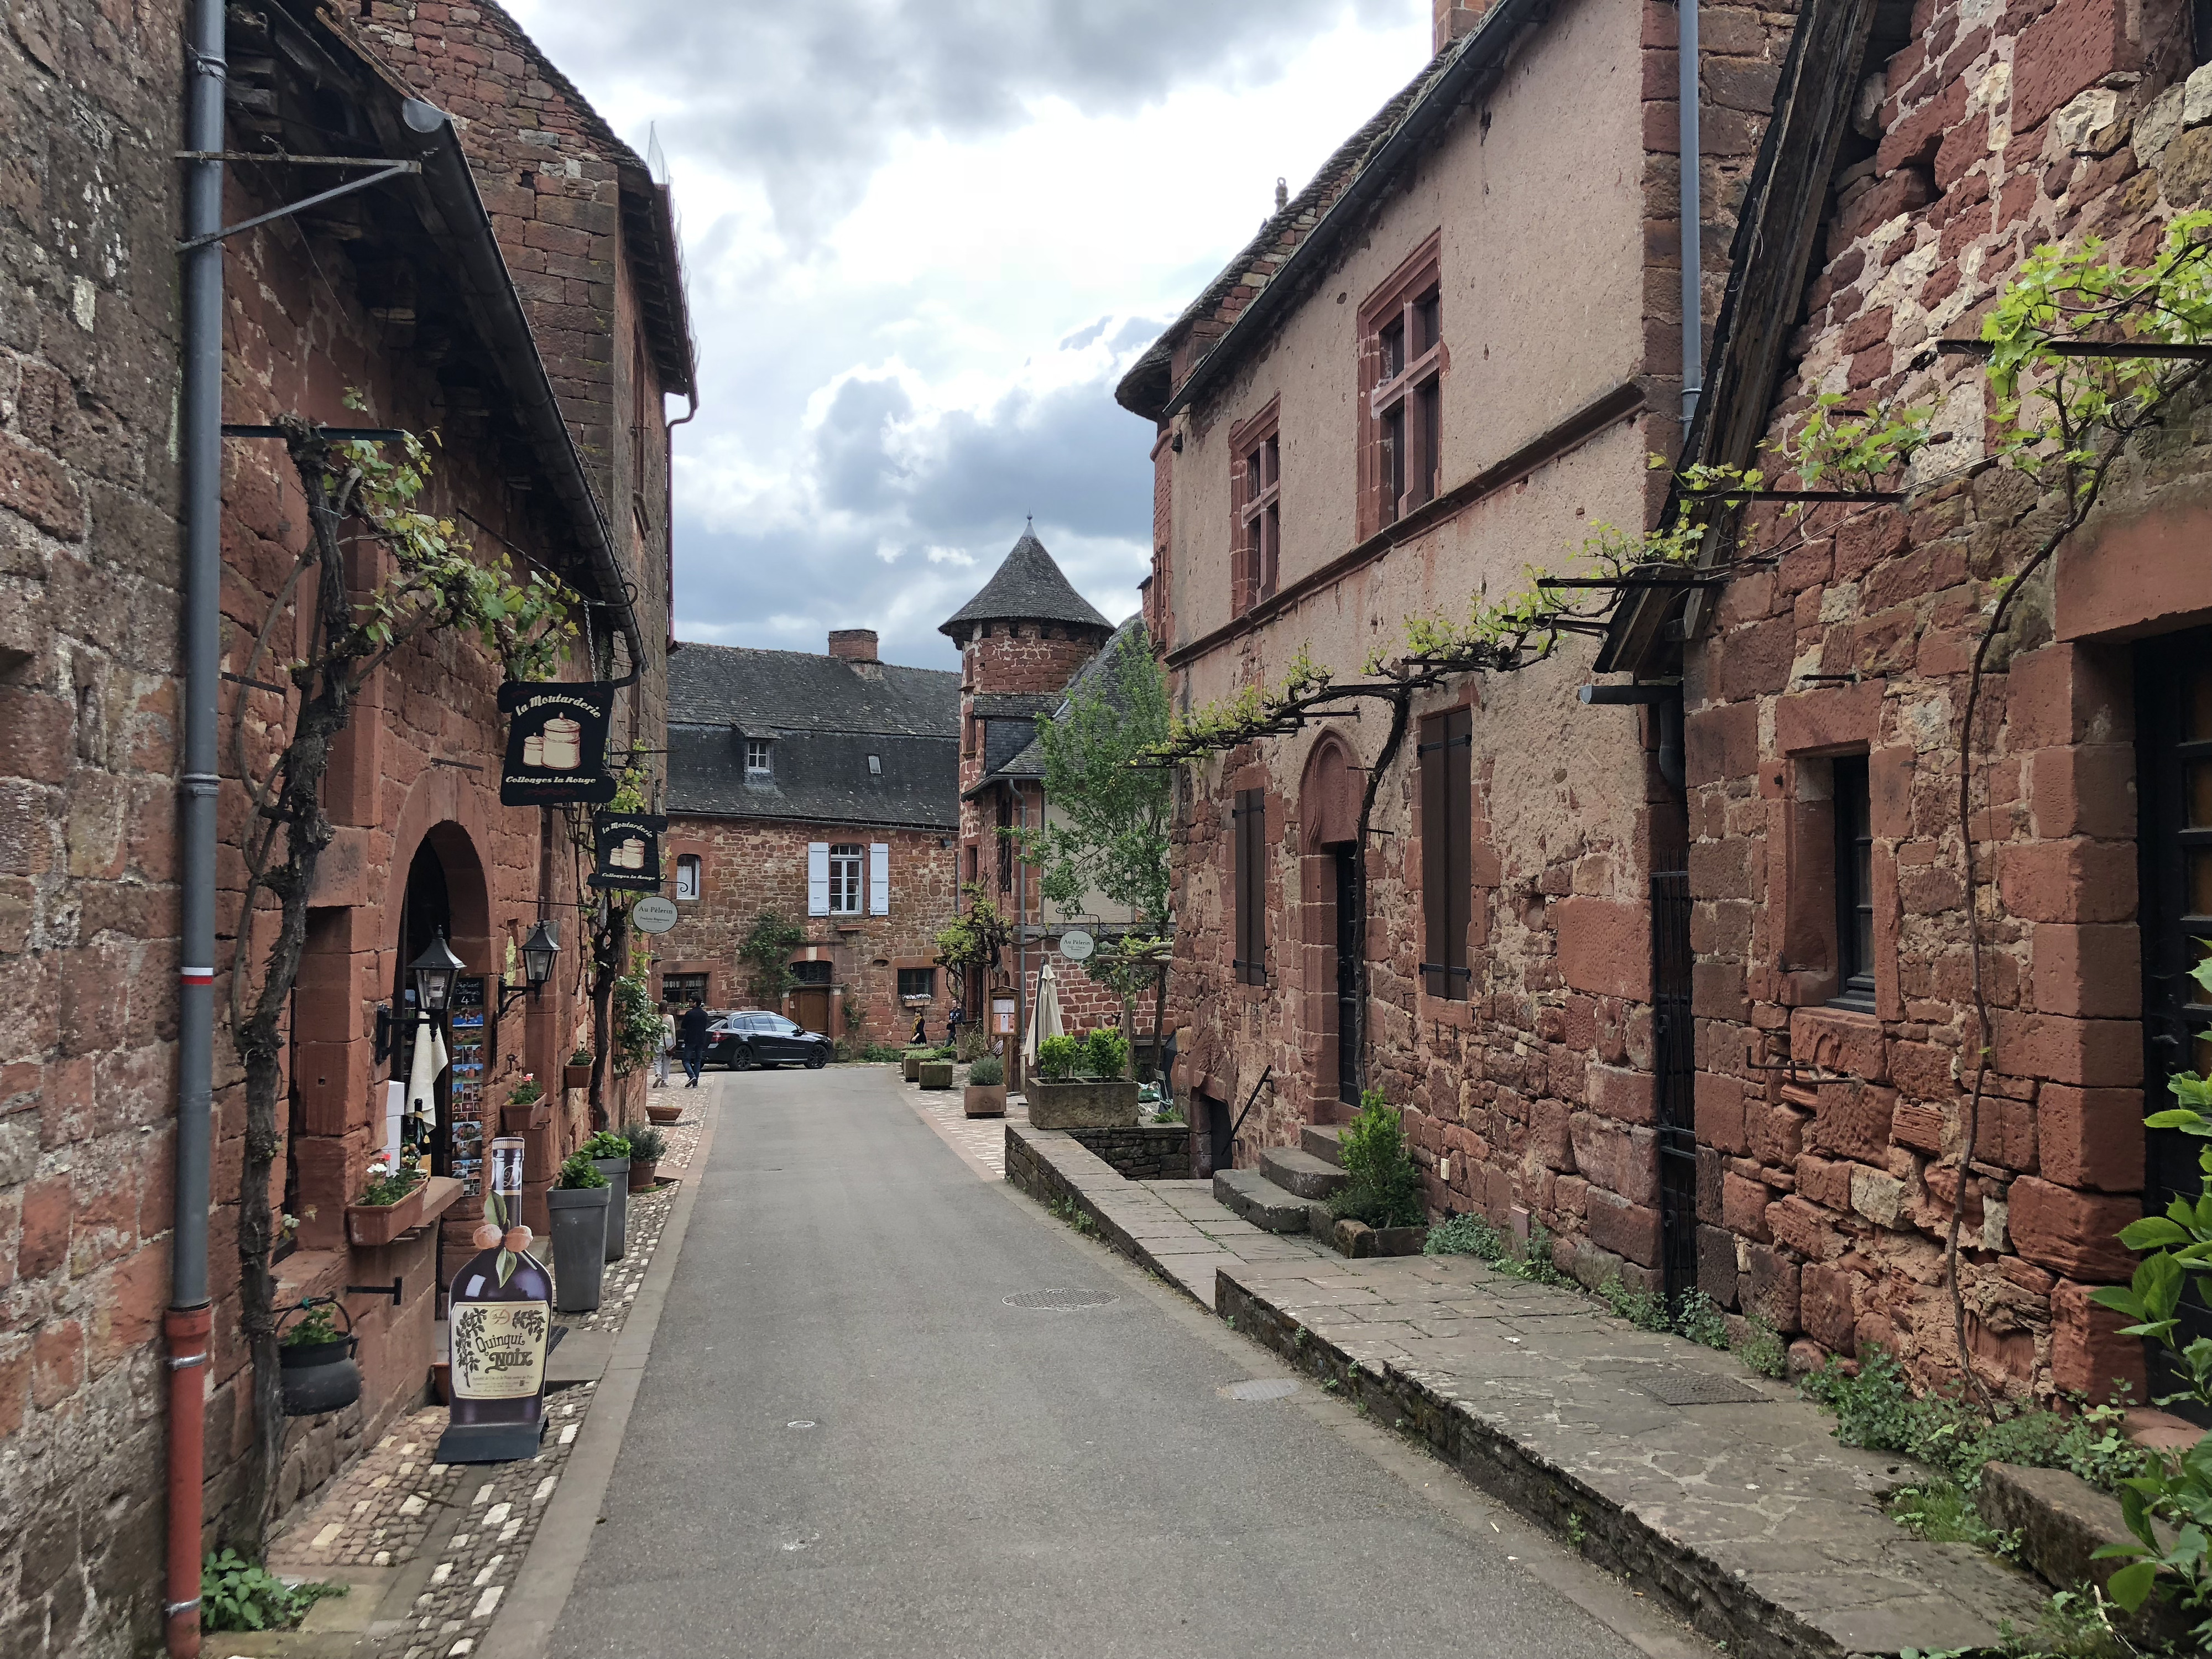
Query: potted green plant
526	1107
1379	1210
609	1155
986	1095
646	1146
391	1201
577	1206
577	1073
316	1359
914	1058
1080	1083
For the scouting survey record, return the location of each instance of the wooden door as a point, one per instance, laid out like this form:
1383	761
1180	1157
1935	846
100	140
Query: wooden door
809	1007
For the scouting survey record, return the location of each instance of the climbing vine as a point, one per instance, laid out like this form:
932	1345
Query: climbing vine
359	495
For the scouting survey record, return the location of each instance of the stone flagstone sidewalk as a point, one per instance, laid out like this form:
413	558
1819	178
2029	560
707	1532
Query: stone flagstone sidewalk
1664	1462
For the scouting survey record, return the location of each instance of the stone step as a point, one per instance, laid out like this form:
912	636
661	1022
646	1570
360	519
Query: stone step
1301	1172
1321	1140
1260	1202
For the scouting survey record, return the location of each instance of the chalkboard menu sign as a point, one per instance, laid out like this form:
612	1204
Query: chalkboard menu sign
469	1043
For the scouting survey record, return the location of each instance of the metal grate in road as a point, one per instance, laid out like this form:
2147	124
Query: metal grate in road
1060	1301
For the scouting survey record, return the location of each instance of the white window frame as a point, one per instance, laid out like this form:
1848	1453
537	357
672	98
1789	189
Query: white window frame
847	862
694	867
760	762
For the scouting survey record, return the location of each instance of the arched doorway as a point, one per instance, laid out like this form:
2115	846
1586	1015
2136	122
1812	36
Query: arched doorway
445	895
1328	818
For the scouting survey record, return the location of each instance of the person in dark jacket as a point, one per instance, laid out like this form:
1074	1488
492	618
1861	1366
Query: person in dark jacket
691	1032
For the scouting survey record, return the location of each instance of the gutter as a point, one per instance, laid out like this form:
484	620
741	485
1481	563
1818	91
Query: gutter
1473	63
190	1317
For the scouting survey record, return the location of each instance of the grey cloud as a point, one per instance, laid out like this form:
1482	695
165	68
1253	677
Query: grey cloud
809	97
882	479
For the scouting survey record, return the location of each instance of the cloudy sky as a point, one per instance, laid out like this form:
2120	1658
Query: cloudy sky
924	238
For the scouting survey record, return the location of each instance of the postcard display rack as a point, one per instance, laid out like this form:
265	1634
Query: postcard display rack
468	1045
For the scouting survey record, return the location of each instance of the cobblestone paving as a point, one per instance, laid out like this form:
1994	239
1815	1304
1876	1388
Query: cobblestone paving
377	1513
387	1510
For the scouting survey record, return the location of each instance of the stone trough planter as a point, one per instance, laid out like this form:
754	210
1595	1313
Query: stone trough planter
1083	1105
664	1114
1357	1239
935	1074
913	1066
984	1100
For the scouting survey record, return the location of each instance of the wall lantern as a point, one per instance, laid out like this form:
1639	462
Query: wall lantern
538	953
433	972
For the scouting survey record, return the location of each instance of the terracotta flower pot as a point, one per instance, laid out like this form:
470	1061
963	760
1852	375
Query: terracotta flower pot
576	1077
659	1113
642	1176
371	1224
984	1100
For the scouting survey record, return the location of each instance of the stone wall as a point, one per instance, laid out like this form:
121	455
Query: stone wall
1151	1153
1830	1140
747	865
89	571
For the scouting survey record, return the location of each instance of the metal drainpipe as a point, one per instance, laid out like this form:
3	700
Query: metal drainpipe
1693	262
190	1318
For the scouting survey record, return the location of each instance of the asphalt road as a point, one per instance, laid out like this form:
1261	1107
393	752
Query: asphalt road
846	1442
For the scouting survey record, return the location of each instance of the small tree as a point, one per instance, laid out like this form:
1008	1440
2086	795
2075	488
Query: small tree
766	952
1108	832
972	943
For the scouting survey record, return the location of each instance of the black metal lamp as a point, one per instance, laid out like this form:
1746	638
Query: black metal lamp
434	972
538	953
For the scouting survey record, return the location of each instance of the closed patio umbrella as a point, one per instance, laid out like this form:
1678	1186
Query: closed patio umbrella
1044	1018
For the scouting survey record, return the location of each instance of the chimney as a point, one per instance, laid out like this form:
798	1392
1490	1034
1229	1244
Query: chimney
1451	22
853	644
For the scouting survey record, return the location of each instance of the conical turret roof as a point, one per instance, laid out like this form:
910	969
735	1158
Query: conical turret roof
1028	587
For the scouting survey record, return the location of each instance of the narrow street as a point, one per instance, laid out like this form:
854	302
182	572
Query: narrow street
849	1441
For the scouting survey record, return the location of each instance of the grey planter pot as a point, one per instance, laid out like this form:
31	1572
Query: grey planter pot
1083	1105
579	1218
616	1170
935	1074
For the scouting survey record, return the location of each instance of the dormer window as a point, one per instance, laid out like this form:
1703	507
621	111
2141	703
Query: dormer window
757	758
875	766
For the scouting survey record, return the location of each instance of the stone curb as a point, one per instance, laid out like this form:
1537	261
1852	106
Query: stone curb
523	1627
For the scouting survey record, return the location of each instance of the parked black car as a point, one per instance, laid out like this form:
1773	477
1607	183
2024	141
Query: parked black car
752	1037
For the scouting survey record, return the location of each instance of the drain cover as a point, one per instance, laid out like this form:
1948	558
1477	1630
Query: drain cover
1260	1388
1060	1301
1670	1387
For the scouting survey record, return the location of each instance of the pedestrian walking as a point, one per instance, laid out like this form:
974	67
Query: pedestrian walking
692	1030
920	1033
667	1046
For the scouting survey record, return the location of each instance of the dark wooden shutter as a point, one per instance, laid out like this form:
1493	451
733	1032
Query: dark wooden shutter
1249	821
1447	754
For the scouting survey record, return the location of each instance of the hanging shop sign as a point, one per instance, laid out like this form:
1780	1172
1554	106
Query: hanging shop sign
655	915
500	1329
627	851
556	743
1077	945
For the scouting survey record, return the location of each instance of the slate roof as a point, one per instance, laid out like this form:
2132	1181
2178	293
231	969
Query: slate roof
1028	587
804	690
825	716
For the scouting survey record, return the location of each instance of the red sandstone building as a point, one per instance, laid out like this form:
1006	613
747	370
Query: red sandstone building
520	294
1686	982
820	789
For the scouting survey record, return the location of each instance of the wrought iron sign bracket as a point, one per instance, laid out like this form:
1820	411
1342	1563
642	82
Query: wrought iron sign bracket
384	169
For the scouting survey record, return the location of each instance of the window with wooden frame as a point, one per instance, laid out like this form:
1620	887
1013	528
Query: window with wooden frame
1401	364
1853	808
1255	448
1446	772
1248	819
